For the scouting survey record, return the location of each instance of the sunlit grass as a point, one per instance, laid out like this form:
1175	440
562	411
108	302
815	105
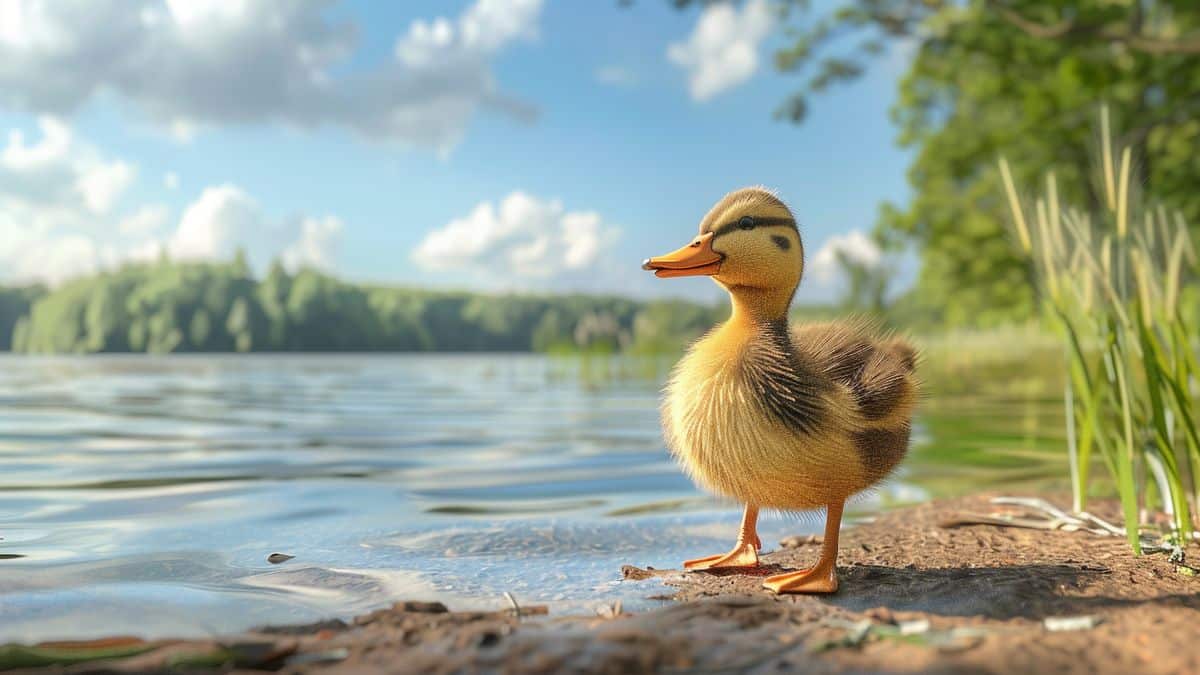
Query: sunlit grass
1112	285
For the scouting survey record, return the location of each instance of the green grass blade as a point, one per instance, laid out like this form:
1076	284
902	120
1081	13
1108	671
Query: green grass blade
1125	479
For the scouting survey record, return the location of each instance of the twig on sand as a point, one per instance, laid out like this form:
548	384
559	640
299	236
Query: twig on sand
522	612
1054	518
513	601
610	611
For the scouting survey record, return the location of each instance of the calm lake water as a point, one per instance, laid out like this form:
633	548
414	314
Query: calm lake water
143	494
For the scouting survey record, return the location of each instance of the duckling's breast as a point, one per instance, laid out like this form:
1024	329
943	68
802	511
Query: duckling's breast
727	438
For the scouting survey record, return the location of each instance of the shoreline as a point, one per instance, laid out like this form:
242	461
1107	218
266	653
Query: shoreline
916	593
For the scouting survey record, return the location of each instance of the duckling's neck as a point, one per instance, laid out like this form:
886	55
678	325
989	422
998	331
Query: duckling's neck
757	306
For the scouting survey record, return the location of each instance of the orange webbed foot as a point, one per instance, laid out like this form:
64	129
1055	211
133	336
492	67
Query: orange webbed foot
818	579
743	555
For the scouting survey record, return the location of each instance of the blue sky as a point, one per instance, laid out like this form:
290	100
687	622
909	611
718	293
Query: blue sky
516	144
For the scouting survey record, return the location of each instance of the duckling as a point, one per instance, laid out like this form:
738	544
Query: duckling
775	417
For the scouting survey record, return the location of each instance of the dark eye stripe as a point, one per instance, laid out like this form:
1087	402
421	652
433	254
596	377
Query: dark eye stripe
758	222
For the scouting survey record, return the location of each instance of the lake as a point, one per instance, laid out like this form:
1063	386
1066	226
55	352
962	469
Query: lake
144	494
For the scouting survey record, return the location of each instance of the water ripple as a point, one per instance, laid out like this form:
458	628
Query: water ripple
143	494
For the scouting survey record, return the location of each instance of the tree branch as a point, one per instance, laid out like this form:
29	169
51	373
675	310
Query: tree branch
1038	30
1150	44
1184	112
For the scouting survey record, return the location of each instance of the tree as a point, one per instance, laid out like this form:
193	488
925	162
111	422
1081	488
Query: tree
199	330
103	319
55	323
669	325
239	325
272	297
164	333
179	306
550	333
1021	77
240	265
14	306
867	285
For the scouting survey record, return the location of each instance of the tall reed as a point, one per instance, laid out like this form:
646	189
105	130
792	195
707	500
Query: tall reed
1112	285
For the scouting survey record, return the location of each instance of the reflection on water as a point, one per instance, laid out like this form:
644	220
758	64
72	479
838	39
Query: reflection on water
143	495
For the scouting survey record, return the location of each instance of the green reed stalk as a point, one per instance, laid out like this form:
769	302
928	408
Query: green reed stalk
1113	292
1125	466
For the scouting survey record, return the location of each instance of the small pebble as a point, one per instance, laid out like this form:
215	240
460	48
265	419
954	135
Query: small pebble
1065	623
276	558
314	658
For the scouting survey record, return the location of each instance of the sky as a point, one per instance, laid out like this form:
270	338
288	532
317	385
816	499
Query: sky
497	145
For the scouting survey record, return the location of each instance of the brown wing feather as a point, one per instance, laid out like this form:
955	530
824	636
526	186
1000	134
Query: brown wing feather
876	369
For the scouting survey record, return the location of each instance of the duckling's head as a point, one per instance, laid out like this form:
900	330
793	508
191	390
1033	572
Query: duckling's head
748	243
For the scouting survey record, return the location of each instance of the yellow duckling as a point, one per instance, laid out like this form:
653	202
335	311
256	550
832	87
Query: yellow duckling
777	418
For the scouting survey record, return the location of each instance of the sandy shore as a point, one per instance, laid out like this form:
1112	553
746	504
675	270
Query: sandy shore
918	594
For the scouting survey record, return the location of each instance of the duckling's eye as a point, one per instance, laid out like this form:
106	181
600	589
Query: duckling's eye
746	223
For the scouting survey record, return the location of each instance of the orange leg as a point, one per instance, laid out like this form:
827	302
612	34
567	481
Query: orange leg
822	577
744	553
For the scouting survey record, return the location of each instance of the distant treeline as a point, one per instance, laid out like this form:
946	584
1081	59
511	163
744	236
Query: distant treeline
170	306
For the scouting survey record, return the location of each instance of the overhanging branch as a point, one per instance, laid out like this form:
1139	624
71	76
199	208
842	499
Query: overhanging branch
1069	28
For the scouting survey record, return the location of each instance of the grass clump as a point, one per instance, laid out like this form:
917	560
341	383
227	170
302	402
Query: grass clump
1115	286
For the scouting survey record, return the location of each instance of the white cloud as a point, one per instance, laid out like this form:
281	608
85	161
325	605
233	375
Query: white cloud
722	51
616	76
61	170
483	28
225	218
145	221
102	185
317	245
30	253
521	238
171	180
54	188
854	244
210	224
188	64
60	257
52	149
60	216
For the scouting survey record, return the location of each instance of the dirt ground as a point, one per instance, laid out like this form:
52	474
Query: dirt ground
918	594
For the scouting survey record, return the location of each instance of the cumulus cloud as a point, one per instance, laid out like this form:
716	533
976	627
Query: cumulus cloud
61	169
192	63
60	216
520	238
53	185
171	180
210	224
722	51
316	245
225	218
855	245
43	254
56	258
102	186
145	221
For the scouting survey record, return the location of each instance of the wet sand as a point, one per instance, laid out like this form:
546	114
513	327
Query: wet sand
916	595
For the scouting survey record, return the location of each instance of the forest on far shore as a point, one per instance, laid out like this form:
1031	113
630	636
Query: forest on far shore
168	306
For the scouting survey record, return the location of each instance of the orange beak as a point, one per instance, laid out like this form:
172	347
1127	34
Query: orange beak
695	259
